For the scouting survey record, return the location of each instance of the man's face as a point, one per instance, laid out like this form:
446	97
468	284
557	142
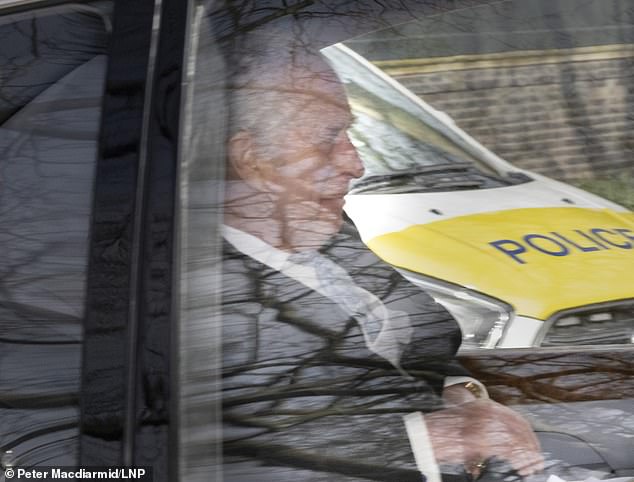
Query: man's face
305	158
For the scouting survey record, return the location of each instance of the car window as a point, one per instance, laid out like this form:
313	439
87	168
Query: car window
328	211
53	64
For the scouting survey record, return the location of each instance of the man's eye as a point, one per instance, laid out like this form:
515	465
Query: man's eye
332	133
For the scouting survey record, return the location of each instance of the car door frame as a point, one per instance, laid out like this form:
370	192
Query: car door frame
127	372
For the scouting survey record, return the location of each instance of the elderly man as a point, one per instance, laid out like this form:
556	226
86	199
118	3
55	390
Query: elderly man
330	356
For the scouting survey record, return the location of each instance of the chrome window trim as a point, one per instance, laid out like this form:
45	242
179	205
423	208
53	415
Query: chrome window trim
197	325
130	428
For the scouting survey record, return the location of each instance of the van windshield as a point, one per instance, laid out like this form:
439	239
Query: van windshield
405	144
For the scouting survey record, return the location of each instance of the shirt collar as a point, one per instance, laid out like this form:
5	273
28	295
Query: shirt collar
255	248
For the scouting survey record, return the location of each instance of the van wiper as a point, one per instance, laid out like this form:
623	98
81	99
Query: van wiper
438	186
417	171
371	182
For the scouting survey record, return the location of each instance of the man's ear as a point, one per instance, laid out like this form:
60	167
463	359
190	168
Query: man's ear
242	156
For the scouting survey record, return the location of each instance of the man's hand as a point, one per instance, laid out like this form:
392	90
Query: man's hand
474	430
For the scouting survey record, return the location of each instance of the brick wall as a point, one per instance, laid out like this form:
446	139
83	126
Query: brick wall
565	114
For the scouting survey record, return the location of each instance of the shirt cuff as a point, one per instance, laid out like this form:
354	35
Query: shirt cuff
449	381
421	446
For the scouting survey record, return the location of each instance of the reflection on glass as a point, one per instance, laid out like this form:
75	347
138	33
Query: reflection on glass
326	347
53	68
455	185
307	393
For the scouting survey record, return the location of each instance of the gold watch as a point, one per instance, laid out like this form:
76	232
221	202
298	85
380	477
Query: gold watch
474	388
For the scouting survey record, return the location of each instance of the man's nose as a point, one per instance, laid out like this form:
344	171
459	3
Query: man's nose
346	158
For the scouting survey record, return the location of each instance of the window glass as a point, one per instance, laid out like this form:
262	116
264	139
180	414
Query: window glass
354	260
53	64
535	83
403	142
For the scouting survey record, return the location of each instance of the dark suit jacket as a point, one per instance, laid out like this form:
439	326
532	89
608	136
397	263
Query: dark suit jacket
304	399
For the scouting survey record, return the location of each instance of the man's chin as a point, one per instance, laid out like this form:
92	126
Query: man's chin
313	234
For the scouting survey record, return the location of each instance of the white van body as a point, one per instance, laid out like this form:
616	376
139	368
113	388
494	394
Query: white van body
519	259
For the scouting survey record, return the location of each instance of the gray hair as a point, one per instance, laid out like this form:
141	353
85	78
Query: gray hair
265	71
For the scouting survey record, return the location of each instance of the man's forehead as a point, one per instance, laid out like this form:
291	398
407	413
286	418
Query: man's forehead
301	81
293	70
314	93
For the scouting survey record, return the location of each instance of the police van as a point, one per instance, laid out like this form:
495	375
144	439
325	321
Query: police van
519	259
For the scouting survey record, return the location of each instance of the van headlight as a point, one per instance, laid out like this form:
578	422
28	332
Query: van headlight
482	319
